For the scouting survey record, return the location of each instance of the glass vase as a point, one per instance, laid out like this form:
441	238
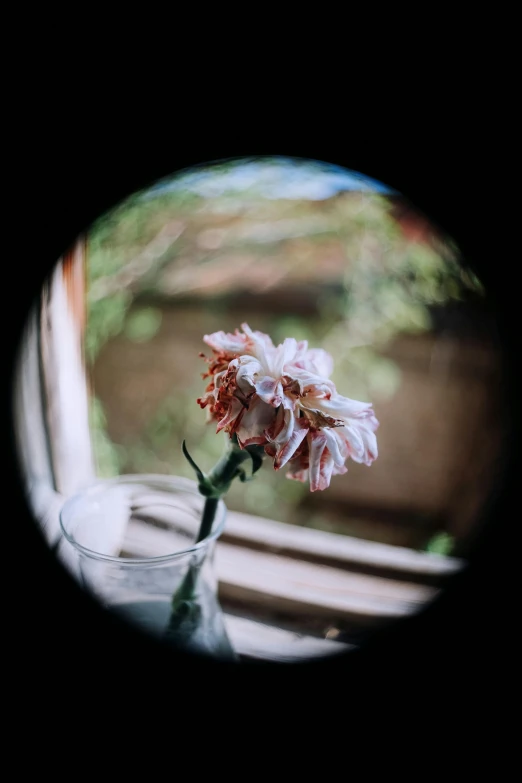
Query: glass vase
133	540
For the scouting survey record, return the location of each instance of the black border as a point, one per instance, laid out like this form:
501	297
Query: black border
64	644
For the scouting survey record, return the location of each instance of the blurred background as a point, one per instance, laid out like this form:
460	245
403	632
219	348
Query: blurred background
302	249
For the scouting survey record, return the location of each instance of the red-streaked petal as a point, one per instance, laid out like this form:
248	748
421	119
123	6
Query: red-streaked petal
298	431
278	424
233	411
317	444
270	390
321	462
248	369
333	444
254	422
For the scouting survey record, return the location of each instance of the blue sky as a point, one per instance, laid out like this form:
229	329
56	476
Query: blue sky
273	178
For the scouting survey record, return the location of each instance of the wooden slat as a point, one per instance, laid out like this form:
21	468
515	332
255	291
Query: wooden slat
31	432
320	546
64	376
259	579
339	550
46	504
264	642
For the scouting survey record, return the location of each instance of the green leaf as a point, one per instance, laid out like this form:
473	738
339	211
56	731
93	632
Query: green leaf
257	458
199	474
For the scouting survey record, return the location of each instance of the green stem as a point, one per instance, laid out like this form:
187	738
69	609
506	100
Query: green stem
209	512
213	486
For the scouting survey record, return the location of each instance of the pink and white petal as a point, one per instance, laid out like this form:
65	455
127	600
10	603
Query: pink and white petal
321	463
282	428
273	432
256	336
283	356
351	436
317	446
301	350
227	343
297	432
344	408
270	390
261	346
319	361
335	446
288	402
371	451
258	418
248	369
298	474
372	423
310	383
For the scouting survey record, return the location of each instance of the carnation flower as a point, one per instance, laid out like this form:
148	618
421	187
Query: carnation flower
278	402
282	398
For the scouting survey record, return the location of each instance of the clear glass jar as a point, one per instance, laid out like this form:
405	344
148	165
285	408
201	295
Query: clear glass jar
133	539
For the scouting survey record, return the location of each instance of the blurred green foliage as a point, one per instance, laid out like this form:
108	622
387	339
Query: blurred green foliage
143	324
106	320
109	457
441	544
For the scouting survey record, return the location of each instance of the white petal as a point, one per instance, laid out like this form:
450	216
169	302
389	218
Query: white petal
326	472
342	407
333	443
352	437
321	464
270	390
310	382
301	349
248	369
229	343
317	444
296	433
371	451
319	361
262	346
254	422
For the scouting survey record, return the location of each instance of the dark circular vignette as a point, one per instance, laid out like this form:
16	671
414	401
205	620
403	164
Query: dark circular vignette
438	649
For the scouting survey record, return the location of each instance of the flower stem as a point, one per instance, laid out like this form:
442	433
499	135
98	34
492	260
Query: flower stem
213	486
217	483
209	512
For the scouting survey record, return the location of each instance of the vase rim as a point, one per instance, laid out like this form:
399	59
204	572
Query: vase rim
180	482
